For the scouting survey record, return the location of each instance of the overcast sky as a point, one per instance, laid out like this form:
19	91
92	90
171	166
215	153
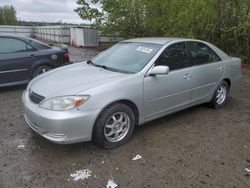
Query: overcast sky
45	10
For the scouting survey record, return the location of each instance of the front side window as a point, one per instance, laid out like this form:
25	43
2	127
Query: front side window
174	56
127	57
201	54
11	45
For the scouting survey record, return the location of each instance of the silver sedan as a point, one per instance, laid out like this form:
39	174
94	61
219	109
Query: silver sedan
133	82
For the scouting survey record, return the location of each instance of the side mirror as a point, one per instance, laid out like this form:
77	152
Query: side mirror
159	70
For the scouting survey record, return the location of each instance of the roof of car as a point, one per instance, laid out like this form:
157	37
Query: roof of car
155	40
17	37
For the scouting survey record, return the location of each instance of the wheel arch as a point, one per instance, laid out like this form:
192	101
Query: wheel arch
97	133
127	102
42	63
228	82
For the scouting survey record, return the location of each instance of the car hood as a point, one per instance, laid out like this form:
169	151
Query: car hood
72	79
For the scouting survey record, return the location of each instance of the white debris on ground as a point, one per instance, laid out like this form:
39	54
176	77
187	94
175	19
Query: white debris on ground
247	169
21	146
137	157
111	184
81	174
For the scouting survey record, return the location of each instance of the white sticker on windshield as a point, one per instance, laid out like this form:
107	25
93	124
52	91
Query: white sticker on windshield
144	49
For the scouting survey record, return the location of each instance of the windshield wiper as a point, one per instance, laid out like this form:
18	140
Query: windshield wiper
118	70
108	68
90	62
102	66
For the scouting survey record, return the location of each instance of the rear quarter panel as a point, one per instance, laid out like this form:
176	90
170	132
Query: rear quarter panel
232	67
51	57
233	71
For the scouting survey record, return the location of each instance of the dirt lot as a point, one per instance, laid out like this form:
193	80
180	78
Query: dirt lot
198	147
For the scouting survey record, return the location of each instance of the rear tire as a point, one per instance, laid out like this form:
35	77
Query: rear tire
220	96
114	127
40	70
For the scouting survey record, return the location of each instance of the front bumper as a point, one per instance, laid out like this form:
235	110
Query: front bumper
59	127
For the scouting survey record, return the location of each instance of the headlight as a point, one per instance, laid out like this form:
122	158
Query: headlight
63	103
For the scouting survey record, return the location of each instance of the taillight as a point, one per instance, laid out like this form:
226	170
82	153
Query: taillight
66	56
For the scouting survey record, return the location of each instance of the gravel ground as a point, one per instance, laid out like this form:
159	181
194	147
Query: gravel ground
198	147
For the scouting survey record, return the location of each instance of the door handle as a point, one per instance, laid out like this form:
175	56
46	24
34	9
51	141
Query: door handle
220	68
187	76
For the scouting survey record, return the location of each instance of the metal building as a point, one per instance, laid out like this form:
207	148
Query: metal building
80	36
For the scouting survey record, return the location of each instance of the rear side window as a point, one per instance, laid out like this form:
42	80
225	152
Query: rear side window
11	45
39	45
200	53
174	56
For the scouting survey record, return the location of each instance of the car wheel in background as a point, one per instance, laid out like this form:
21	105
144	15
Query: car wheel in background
220	95
41	69
114	126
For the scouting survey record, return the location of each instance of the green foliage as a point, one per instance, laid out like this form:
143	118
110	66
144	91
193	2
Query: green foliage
8	15
225	23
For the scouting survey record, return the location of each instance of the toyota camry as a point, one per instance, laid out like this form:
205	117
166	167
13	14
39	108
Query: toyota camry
133	82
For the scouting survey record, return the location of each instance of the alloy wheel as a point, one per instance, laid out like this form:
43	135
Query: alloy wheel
117	127
221	94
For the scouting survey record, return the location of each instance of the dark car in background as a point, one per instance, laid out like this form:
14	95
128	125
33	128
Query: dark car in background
23	58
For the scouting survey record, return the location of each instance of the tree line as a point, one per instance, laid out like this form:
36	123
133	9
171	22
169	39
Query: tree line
8	15
226	23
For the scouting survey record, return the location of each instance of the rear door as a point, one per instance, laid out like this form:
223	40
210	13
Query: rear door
208	69
16	57
170	92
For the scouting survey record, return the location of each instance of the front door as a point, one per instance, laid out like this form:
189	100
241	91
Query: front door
166	93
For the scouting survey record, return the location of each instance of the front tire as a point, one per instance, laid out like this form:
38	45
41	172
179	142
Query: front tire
220	96
114	127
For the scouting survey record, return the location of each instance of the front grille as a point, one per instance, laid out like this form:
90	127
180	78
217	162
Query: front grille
35	98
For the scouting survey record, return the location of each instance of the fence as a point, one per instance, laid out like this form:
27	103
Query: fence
15	30
58	33
67	34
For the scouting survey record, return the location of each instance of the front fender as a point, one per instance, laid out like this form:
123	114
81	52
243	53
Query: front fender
129	88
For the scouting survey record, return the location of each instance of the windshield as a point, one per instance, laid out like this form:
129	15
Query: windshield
128	57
